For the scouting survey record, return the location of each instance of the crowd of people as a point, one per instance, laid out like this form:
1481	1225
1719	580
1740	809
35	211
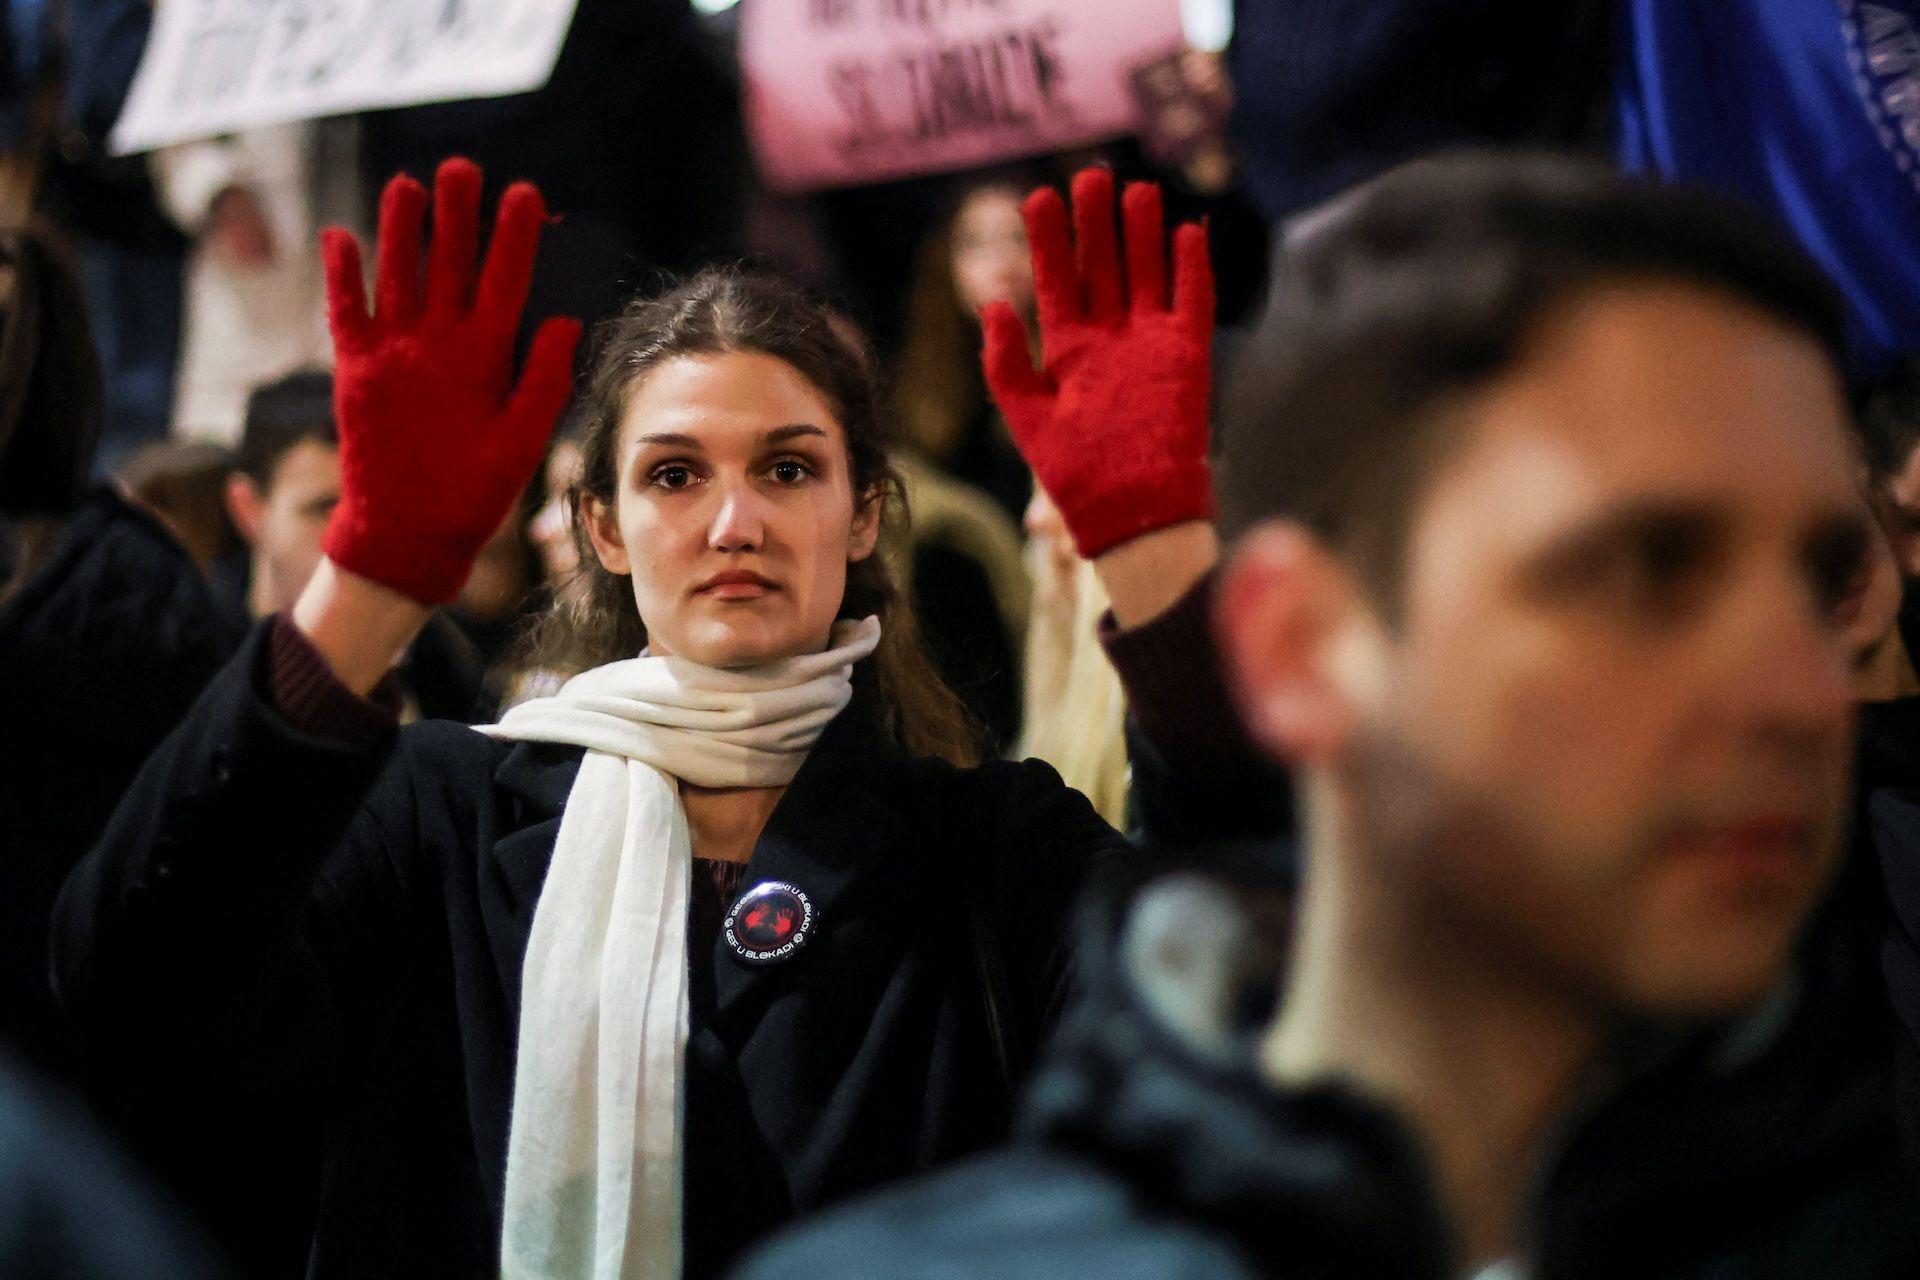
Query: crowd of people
1334	704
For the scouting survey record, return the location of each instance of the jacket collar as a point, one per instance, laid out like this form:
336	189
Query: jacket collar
832	829
1154	1077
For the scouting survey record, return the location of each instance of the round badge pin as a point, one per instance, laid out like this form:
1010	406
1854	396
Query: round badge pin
769	922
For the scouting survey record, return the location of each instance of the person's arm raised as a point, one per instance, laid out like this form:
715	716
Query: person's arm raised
1115	427
1114	424
436	438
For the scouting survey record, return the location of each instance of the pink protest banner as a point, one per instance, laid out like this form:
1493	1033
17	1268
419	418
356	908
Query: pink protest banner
840	92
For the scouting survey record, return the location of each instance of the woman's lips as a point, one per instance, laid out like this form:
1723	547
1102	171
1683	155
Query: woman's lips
736	585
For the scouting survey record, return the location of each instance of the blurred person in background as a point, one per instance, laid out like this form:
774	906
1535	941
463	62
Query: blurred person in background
551	529
107	628
1325	97
504	590
185	484
253	203
1554	577
755	818
128	254
1075	708
1811	114
966	483
280	493
977	255
962	566
1890	434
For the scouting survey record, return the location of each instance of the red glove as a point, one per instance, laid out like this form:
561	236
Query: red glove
1116	425
436	443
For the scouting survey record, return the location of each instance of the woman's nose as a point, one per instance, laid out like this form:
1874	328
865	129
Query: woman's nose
738	523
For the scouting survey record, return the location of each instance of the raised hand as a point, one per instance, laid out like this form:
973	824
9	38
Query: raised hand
1115	424
436	440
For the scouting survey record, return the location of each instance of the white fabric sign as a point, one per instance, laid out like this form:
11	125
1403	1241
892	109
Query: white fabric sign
218	66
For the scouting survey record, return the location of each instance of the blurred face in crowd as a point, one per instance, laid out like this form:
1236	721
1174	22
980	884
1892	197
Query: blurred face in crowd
1604	741
735	513
551	529
284	524
1900	511
990	259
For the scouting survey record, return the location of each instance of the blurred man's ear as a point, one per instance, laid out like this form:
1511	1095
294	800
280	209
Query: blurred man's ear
1284	606
246	506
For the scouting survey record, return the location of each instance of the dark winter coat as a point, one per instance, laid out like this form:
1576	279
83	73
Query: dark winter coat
301	956
101	653
1153	1148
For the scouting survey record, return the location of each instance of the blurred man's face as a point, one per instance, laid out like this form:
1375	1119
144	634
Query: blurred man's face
1607	741
285	525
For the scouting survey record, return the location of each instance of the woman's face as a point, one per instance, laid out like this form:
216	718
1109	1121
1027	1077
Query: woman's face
550	529
990	260
735	512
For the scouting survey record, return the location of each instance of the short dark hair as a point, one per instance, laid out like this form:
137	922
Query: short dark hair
1889	420
1424	285
280	415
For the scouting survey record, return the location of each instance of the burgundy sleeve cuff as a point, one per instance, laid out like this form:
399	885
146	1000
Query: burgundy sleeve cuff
1175	688
311	698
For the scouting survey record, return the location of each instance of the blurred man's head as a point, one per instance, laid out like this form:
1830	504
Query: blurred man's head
285	483
1890	431
1548	529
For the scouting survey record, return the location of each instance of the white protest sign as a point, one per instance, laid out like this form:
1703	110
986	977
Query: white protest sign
217	66
847	91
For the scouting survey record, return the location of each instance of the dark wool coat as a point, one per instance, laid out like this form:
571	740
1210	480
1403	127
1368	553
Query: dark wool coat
102	651
301	963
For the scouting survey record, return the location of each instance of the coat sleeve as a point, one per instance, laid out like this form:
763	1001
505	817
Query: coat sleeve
1198	779
200	950
1047	842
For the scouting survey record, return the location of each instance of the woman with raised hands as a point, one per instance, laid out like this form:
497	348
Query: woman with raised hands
730	927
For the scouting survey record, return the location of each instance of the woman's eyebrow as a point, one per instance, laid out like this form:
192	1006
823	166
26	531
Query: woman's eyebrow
780	435
672	439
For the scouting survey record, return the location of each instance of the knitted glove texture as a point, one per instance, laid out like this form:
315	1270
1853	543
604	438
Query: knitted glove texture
436	440
1115	423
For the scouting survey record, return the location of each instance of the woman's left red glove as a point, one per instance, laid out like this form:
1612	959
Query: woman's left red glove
436	441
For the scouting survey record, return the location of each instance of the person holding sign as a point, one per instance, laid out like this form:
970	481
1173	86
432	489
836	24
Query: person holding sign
730	927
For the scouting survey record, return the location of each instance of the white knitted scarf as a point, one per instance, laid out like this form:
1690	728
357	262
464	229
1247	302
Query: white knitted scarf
594	1147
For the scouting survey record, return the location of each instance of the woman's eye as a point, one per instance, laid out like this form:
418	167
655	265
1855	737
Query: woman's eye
790	471
672	476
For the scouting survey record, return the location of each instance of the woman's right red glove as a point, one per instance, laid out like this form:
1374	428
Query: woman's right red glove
436	442
1115	426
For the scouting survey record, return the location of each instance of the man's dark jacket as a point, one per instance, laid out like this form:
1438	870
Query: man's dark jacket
1152	1148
